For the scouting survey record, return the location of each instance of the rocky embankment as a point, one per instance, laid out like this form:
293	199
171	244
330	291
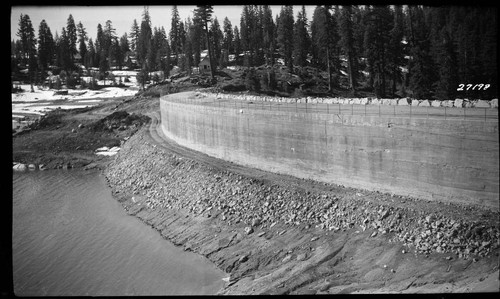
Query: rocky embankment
231	218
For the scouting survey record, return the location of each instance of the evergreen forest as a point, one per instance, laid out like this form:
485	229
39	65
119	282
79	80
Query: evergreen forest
423	52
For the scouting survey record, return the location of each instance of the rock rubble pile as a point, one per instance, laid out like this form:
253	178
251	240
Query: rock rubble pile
158	179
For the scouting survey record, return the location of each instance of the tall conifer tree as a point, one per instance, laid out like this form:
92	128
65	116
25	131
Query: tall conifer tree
285	35
45	46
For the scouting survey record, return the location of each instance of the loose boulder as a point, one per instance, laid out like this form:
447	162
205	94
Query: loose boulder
436	103
403	102
61	92
19	167
459	103
386	101
482	104
494	103
424	103
447	103
415	102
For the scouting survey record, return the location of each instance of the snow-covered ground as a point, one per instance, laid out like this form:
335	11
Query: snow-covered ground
73	95
43	100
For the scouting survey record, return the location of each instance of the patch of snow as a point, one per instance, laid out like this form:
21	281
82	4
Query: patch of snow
124	73
25	110
106	153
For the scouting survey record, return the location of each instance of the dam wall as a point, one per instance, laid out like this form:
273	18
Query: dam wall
437	159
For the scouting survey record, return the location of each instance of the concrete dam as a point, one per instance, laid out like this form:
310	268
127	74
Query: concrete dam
452	160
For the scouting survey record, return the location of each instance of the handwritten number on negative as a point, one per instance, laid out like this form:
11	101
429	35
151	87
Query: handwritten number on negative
469	86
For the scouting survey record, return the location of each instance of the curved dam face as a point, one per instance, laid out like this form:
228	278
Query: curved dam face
436	159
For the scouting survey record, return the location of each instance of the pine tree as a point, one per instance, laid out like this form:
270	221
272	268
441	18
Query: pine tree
325	38
194	36
91	55
256	36
247	33
56	56
175	40
166	63
347	44
134	36
143	45
109	41
301	39
187	49
28	42
217	38
237	42
446	87
45	46
358	28
182	41
103	62
396	49
71	39
64	51
152	51
99	45
227	43
422	71
285	35
488	51
116	54
82	38
203	15
124	46
376	45
269	42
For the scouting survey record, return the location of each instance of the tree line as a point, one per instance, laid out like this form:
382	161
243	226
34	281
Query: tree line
392	51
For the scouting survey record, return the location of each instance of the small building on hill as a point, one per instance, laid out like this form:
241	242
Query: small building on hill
204	65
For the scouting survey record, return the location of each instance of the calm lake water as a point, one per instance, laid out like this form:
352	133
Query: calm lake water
70	237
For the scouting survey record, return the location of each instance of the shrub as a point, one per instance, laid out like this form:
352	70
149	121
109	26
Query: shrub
71	82
154	93
57	85
111	77
234	87
63	75
252	81
298	93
